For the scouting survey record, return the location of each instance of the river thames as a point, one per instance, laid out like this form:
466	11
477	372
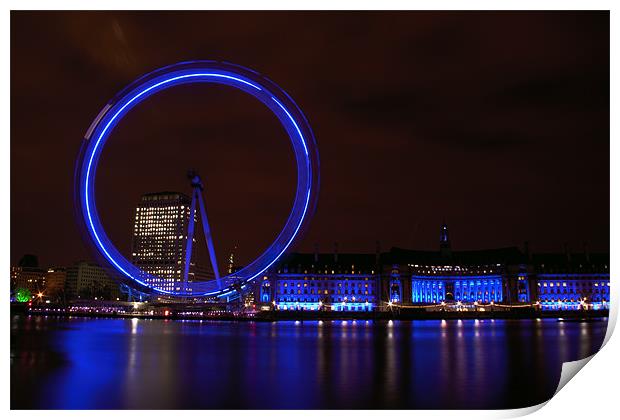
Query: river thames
88	363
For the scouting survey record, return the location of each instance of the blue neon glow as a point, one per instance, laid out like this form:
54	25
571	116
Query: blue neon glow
142	93
435	289
294	123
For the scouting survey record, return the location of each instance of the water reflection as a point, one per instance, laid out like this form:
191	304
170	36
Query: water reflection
151	364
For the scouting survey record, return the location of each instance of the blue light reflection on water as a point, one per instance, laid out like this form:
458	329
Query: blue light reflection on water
124	363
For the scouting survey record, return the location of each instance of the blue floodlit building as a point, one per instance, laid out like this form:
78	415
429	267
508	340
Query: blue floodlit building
326	282
572	281
563	281
414	278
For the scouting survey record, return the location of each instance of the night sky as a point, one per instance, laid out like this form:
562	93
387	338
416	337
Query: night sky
497	123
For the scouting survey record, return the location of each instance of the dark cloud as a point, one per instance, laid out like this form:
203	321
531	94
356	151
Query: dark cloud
558	92
495	122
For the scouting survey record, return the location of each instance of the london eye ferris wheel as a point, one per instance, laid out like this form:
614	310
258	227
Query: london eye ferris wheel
260	87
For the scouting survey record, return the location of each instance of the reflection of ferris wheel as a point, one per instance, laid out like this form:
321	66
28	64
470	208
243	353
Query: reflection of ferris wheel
277	100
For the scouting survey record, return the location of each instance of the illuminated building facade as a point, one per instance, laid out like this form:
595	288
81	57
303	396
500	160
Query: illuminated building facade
159	239
423	277
506	277
313	282
572	281
411	277
28	275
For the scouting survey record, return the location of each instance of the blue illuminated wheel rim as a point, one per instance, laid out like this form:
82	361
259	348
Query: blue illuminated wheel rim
249	81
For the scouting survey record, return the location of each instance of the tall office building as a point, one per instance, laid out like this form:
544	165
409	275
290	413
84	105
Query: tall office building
160	239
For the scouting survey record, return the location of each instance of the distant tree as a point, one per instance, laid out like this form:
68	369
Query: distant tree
23	295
